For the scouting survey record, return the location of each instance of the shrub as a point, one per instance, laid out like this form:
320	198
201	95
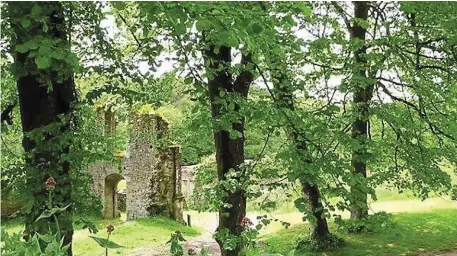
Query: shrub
311	243
372	223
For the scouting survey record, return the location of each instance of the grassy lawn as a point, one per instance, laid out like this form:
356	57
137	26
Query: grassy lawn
133	234
410	234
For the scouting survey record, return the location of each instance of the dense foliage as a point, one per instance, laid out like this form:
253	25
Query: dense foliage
340	98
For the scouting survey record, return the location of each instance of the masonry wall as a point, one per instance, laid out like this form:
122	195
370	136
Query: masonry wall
105	179
187	180
171	167
152	171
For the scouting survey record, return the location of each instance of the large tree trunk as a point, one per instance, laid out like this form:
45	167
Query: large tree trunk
45	98
362	95
229	150
284	96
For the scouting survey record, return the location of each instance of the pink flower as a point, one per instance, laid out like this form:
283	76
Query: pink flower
50	183
246	223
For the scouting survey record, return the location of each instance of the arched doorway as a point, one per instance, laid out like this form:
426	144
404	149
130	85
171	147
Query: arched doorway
111	201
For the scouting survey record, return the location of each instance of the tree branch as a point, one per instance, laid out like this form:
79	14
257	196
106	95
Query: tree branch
343	14
422	114
246	77
130	30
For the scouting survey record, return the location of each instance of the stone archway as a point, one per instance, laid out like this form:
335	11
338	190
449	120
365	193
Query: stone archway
110	209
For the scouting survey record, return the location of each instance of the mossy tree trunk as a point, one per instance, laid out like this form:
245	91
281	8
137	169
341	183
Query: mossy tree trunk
363	92
46	96
284	97
229	149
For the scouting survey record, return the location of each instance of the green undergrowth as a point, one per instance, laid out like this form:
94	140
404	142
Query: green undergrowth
150	232
408	234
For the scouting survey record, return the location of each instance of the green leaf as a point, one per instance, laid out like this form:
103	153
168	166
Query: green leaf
215	12
47	238
256	28
48	213
307	11
36	11
245	22
203	25
180	28
224	36
232	41
301	204
25	23
44	50
22	48
304	9
217	49
45	27
25	47
43	61
189	80
105	243
45	214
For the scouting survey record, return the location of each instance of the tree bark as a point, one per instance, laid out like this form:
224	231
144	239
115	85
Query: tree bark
46	98
362	95
229	150
7	113
318	229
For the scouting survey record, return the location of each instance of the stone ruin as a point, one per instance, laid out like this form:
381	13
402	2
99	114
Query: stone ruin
188	180
151	170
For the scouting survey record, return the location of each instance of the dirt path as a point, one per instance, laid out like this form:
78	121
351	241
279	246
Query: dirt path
205	221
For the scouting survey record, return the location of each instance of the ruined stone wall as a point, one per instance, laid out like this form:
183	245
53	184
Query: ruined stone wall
107	116
139	169
151	169
122	201
105	178
170	167
152	172
187	180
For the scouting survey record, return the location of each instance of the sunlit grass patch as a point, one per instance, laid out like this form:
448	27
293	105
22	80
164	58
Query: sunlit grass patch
410	234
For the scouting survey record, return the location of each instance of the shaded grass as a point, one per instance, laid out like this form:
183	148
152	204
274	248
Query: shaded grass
410	234
151	232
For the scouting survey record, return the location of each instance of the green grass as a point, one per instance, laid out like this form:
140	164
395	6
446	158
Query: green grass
13	226
151	232
410	234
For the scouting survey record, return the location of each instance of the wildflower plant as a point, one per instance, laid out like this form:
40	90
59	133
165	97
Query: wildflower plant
49	244
106	243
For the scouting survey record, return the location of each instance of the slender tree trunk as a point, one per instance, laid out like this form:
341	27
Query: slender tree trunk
46	96
319	228
362	95
229	150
